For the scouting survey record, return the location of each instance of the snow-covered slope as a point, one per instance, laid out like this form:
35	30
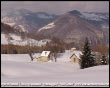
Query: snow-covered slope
18	68
94	16
17	40
3	39
97	19
26	20
50	25
16	26
11	24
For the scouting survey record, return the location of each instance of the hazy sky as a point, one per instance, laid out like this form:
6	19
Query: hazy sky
58	7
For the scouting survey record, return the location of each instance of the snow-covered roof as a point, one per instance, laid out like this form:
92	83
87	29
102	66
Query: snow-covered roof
45	53
73	48
77	53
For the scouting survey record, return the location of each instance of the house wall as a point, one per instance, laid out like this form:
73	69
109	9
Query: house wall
43	59
74	59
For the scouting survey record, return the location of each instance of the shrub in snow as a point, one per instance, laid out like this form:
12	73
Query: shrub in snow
103	60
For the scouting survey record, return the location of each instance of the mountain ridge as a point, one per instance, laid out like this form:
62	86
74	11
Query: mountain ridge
73	28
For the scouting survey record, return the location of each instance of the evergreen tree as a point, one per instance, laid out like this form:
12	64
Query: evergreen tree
87	58
103	60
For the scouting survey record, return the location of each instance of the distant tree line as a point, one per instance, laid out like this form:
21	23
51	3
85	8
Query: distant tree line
16	49
103	54
55	46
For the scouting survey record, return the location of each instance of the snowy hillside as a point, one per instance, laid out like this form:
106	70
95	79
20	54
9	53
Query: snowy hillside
94	16
97	19
3	39
17	40
26	20
18	68
16	26
50	25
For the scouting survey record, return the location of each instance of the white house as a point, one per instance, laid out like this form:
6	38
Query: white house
46	56
75	56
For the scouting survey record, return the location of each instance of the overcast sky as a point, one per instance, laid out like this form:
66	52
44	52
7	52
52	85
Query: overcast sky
58	7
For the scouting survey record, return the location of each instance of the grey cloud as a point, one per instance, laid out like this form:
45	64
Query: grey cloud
58	7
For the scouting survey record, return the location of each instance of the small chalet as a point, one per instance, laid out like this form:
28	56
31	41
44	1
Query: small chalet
75	56
46	56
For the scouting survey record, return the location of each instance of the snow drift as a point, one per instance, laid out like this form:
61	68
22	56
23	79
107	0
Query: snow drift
19	68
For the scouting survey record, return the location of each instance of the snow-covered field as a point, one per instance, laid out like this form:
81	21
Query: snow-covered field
19	68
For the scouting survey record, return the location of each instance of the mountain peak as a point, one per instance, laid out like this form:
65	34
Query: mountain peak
75	12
